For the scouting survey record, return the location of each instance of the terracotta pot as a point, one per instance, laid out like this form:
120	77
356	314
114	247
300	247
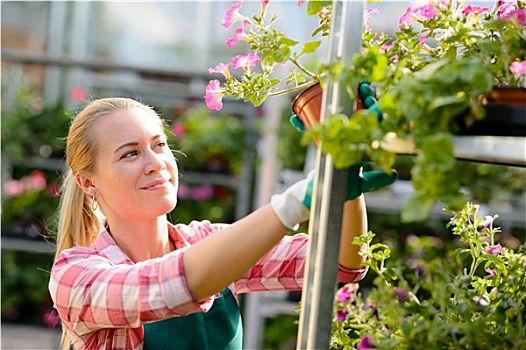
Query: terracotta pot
307	105
505	114
510	96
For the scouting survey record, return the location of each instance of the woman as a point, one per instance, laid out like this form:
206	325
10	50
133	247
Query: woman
129	279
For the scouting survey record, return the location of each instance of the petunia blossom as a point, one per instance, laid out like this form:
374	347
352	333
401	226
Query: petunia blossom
405	19
220	68
428	11
386	47
369	11
214	95
422	40
347	293
518	68
232	15
341	315
245	62
474	9
490	272
494	249
518	14
488	222
507	8
366	343
239	34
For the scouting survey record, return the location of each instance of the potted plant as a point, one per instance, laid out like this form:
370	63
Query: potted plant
209	141
433	79
470	297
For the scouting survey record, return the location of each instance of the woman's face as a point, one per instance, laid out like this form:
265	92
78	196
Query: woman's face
135	171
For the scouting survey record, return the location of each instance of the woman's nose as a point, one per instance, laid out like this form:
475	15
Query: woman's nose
154	162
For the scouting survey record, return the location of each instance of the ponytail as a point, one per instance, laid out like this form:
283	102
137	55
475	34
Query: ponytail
79	222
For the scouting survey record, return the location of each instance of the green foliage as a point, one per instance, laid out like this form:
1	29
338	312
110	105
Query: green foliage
430	78
30	129
202	136
473	297
25	278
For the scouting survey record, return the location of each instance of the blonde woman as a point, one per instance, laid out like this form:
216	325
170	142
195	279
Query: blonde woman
126	278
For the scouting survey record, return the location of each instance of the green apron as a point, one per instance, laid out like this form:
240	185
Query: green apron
219	328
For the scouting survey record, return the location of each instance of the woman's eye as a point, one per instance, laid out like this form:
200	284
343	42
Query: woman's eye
129	154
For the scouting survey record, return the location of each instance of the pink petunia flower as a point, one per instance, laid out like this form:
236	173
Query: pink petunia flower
490	272
369	11
422	40
232	15
506	8
518	68
405	19
428	11
214	95
385	47
347	293
488	221
220	68
366	343
239	34
474	9
341	315
494	249
518	14
245	62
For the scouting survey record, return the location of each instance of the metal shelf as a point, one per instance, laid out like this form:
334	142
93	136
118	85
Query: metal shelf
27	245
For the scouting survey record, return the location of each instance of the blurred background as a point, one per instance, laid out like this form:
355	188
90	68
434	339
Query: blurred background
57	55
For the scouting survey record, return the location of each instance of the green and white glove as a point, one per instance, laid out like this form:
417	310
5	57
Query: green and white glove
293	205
359	181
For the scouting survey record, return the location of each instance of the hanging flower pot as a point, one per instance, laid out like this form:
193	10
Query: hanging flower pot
307	105
505	114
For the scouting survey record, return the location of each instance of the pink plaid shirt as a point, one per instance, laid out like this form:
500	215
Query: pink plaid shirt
103	297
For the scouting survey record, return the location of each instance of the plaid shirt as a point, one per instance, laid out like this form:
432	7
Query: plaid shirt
103	297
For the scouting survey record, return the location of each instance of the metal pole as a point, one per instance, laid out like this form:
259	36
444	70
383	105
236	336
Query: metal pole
327	207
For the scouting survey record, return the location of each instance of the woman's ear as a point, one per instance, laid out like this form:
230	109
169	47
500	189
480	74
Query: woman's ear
86	184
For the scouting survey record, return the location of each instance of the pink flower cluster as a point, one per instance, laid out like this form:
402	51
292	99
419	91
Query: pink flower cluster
199	193
35	181
213	92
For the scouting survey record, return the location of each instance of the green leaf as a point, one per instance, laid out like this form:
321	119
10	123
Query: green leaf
316	6
310	47
287	41
496	260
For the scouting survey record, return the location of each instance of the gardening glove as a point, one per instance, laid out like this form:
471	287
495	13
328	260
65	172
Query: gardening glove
359	182
293	205
368	96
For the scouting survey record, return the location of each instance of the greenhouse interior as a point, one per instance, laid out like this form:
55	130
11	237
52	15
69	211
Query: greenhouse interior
233	158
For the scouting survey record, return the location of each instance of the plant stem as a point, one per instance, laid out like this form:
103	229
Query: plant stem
295	88
303	69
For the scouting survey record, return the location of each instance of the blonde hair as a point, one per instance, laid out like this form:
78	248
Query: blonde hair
78	221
